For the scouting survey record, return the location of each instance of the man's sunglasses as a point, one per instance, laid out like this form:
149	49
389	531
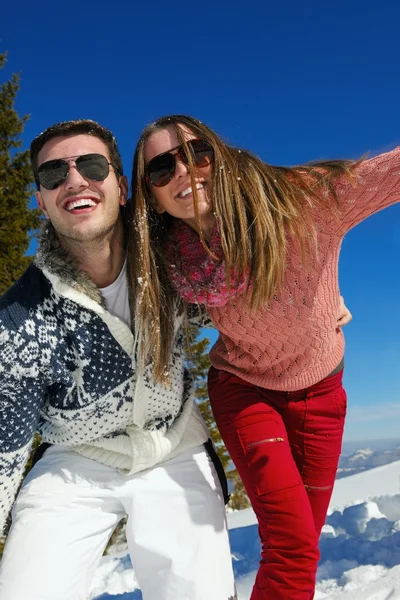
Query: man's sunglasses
52	173
161	169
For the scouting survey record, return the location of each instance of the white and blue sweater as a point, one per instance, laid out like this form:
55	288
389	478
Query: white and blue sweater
68	371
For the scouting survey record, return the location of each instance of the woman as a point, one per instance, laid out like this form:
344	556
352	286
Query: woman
259	246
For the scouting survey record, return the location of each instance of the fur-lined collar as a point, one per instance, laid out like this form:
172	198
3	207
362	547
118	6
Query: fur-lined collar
57	260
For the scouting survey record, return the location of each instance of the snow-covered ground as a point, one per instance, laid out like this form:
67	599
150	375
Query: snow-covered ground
360	545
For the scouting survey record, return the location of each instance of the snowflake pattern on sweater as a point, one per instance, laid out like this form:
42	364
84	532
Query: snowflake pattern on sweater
68	371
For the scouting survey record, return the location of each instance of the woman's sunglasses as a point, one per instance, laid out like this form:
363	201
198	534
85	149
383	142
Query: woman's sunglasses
161	169
52	173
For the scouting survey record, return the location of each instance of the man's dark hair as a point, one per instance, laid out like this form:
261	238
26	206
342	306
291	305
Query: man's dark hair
77	127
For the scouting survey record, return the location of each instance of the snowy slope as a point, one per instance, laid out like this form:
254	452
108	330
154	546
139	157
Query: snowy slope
360	545
380	481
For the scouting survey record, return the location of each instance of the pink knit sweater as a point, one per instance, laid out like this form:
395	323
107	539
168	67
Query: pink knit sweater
292	342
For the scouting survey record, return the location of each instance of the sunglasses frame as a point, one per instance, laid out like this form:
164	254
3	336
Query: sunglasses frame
77	160
179	151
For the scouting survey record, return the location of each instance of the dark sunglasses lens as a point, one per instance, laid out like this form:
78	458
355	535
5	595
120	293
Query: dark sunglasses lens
203	153
161	169
52	173
93	166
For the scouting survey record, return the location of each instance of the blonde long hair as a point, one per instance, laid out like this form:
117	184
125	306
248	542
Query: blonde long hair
257	206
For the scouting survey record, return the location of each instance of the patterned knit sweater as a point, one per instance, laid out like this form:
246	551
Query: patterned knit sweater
67	370
292	342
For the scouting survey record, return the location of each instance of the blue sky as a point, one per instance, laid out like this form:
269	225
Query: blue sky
291	81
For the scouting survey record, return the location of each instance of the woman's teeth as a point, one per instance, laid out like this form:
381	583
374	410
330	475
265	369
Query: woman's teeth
189	190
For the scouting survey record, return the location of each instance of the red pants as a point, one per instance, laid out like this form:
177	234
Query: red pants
286	448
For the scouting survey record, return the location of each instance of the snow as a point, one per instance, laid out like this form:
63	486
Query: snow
360	545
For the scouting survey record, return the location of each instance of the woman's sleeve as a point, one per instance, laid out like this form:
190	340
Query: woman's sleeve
377	186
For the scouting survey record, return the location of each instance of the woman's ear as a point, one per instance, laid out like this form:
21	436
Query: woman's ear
155	205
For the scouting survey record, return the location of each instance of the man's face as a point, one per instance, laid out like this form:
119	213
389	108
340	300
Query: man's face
65	206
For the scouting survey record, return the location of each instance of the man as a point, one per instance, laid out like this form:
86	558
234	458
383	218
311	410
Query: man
117	442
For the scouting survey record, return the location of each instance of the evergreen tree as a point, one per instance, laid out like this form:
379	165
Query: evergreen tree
17	221
198	364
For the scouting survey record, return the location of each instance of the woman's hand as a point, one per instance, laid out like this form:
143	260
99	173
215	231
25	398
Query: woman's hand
344	315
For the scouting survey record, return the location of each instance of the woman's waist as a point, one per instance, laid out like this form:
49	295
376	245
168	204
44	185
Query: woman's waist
277	367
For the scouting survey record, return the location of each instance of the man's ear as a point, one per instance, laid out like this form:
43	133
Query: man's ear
123	190
40	202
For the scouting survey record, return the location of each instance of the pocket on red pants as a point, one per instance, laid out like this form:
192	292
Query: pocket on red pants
268	457
324	425
217	377
341	403
321	479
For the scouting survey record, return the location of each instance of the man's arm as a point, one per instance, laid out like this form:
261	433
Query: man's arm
21	398
198	316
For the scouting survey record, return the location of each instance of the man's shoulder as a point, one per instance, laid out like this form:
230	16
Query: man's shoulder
25	294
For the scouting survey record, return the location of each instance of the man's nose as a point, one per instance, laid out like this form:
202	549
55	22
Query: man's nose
75	180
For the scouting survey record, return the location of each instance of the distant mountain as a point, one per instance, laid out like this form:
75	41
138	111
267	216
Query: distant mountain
362	459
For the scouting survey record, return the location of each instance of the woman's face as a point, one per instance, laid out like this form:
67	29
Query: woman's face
176	197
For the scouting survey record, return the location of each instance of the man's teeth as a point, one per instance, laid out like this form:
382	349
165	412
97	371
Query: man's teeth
188	190
79	203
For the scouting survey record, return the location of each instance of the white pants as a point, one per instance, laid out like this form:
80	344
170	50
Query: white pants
69	506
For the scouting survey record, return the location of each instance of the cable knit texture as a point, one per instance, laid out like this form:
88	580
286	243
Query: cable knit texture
68	371
291	343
